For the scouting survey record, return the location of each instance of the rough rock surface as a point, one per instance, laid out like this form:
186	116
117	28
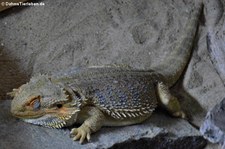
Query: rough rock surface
213	127
161	132
141	33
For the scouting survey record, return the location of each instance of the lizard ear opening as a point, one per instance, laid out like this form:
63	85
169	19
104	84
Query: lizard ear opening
59	106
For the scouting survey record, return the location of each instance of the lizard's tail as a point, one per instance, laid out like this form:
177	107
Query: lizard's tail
173	66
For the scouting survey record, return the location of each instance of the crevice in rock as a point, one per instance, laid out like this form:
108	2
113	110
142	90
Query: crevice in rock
163	142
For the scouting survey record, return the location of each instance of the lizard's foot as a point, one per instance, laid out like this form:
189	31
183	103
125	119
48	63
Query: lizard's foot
81	133
180	114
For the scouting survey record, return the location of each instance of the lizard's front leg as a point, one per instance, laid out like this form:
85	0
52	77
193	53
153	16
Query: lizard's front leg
93	123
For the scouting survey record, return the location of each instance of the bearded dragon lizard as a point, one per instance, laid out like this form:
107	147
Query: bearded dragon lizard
104	96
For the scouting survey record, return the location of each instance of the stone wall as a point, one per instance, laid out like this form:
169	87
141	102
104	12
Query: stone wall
64	34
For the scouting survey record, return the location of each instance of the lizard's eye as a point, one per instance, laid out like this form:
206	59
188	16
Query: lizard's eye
35	103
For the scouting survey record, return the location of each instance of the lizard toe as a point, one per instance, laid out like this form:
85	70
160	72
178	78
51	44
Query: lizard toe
81	133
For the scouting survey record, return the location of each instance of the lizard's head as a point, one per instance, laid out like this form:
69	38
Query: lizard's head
43	102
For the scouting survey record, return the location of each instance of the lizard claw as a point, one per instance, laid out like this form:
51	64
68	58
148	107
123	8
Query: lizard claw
81	133
180	114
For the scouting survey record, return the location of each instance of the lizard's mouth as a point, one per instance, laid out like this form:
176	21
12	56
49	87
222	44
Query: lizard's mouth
27	114
49	117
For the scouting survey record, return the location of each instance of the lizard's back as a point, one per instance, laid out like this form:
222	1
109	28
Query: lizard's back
117	91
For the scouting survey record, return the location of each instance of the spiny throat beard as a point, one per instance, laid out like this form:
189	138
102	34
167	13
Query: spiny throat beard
52	121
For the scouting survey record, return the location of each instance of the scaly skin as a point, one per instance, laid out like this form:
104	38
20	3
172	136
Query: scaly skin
103	96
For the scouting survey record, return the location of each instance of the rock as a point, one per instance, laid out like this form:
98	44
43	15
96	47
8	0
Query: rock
163	142
65	34
159	132
215	35
213	127
203	80
212	146
215	25
141	33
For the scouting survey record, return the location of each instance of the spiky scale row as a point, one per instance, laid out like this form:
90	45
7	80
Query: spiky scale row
54	123
128	113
